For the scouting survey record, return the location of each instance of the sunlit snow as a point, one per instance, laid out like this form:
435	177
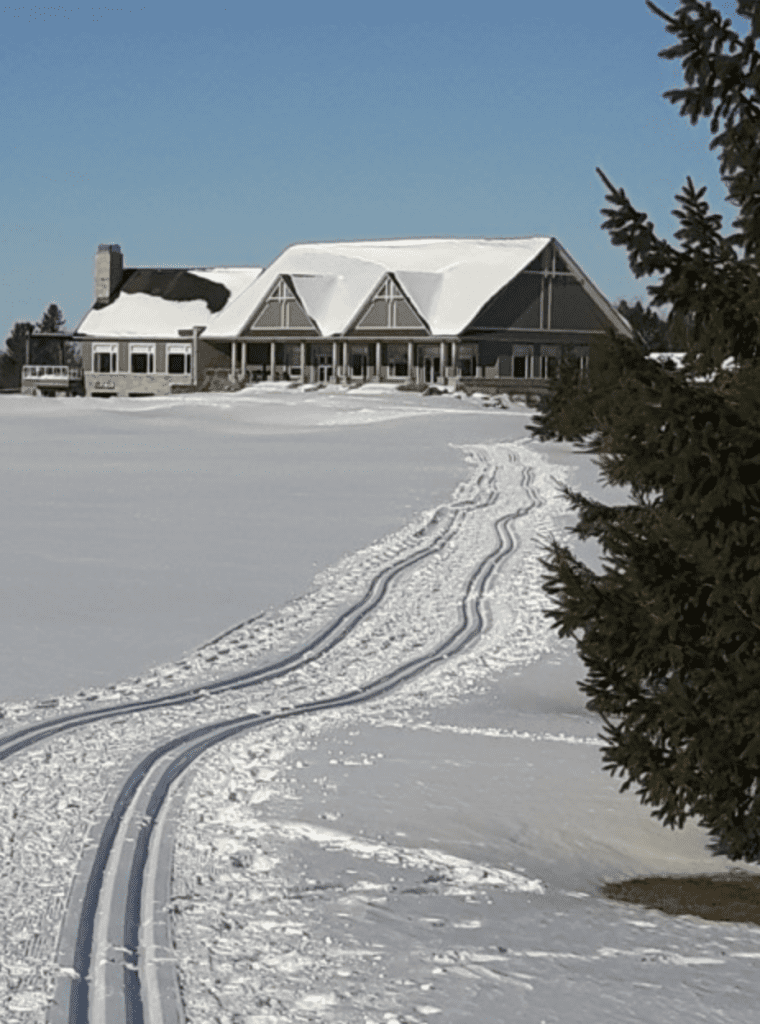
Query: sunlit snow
434	854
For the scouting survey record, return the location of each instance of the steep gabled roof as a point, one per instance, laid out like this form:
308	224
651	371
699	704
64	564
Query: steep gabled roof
447	279
159	303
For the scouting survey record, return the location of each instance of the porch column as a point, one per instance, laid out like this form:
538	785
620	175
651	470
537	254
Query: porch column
233	354
194	357
454	359
442	361
345	360
334	374
378	359
410	362
272	359
303	362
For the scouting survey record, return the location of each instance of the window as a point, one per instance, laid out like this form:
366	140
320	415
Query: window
397	360
549	366
389	308
179	359
291	360
142	358
467	362
521	360
358	360
105	358
549	360
282	311
572	308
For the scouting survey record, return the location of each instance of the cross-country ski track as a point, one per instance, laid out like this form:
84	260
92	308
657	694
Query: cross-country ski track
115	946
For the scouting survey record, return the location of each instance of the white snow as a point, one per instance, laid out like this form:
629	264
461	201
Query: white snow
133	530
137	314
447	279
434	855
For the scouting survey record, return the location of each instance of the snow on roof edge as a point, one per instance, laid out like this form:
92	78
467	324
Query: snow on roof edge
470	270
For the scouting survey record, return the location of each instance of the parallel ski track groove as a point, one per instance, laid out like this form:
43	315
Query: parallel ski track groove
197	741
319	645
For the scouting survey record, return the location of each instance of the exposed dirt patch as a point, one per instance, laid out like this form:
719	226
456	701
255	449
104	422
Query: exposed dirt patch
726	897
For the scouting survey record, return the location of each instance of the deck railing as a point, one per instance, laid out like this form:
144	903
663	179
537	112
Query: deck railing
51	374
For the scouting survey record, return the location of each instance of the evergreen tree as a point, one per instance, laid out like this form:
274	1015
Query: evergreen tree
52	322
569	409
14	356
649	327
669	630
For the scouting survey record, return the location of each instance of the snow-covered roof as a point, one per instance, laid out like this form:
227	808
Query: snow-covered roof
161	303
448	280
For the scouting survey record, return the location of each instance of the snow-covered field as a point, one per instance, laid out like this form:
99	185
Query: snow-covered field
435	854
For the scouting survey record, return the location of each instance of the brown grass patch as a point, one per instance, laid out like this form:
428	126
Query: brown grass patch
727	897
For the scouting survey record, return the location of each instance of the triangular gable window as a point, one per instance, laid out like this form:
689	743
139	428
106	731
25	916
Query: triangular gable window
282	311
389	309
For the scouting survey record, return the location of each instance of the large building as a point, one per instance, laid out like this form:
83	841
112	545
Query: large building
479	312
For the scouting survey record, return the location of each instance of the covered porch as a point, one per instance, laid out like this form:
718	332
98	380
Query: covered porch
347	361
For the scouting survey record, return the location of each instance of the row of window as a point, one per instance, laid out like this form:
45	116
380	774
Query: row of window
388	308
522	366
521	363
142	359
360	366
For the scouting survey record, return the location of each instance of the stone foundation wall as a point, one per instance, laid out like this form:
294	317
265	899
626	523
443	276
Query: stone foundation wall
124	384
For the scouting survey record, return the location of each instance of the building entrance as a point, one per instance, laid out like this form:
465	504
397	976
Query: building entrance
358	365
432	369
324	369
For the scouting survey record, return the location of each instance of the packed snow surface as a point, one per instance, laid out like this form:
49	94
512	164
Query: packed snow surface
435	854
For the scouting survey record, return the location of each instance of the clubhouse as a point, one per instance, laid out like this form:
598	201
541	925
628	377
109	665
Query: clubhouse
492	314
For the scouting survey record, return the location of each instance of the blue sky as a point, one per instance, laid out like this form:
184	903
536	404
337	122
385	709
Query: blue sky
209	134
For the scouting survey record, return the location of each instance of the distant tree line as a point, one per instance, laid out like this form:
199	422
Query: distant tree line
41	351
656	334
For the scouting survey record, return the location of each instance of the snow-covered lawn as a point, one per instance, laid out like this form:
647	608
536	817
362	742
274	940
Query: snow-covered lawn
135	529
434	855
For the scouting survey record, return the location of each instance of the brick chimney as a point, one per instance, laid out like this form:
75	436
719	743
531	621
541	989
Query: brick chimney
109	267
